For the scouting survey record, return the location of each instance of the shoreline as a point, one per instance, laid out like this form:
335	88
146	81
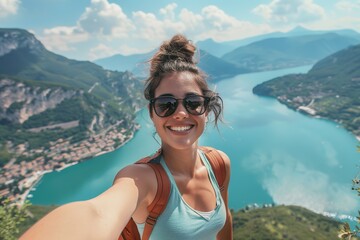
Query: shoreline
25	195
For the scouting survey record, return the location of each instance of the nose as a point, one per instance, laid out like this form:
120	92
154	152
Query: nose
180	112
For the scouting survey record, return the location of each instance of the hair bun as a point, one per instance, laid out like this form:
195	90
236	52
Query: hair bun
178	48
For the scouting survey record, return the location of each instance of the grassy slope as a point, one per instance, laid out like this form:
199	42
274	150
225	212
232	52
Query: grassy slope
284	222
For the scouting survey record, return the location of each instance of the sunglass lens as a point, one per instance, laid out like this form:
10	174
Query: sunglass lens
195	105
165	106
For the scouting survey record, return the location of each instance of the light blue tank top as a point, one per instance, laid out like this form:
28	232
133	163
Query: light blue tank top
180	221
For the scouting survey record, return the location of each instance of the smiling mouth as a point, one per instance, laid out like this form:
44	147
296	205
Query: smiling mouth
180	128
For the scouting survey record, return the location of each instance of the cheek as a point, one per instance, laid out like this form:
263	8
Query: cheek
157	122
204	117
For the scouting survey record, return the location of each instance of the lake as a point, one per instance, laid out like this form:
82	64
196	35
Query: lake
278	155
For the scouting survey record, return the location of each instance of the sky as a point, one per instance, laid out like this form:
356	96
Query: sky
94	29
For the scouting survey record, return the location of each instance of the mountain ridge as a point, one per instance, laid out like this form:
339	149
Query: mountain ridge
286	52
219	49
216	68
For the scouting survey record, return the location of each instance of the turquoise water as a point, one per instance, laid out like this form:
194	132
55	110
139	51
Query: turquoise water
278	155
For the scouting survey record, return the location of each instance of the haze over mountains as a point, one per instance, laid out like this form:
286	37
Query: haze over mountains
261	53
215	67
221	48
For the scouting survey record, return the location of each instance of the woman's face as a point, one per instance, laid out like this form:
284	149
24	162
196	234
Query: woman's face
181	129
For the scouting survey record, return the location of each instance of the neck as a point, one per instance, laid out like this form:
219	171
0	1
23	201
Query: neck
181	161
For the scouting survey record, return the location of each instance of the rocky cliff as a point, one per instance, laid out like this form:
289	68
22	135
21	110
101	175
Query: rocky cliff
18	102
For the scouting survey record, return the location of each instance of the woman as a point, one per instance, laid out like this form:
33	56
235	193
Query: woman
179	104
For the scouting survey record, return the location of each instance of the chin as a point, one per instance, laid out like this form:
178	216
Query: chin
184	146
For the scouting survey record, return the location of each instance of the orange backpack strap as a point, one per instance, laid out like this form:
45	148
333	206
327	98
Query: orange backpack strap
130	231
217	164
159	203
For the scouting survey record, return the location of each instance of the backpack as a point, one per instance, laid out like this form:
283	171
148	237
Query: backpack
158	205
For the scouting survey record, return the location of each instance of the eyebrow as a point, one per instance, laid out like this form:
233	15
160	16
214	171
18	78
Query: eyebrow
186	95
166	95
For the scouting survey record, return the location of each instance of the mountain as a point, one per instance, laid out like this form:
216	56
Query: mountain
331	89
286	52
216	68
219	49
119	62
45	97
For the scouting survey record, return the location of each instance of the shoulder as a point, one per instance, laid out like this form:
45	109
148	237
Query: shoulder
140	177
141	174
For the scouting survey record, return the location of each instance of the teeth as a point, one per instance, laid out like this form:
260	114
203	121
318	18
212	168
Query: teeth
180	129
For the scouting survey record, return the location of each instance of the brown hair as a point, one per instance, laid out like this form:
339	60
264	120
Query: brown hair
177	55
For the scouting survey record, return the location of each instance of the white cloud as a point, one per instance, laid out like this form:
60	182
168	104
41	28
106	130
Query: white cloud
223	27
294	184
218	19
101	51
104	18
61	38
105	24
290	12
347	21
349	6
152	30
148	26
8	7
169	11
330	154
191	20
289	181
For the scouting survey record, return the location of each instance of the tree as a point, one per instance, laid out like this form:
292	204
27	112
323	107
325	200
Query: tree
345	231
11	216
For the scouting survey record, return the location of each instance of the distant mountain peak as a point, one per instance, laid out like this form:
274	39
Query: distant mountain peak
13	39
299	29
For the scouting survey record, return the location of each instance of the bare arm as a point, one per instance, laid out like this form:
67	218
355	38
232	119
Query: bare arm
102	217
226	232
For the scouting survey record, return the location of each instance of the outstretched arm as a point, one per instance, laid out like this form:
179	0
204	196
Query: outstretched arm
226	232
102	217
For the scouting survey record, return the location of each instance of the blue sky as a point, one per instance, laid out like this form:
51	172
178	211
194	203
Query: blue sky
92	29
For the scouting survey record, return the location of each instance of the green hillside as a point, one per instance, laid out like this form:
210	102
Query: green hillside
331	89
284	222
217	68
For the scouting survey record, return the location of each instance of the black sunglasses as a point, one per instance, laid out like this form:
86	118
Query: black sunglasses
164	106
